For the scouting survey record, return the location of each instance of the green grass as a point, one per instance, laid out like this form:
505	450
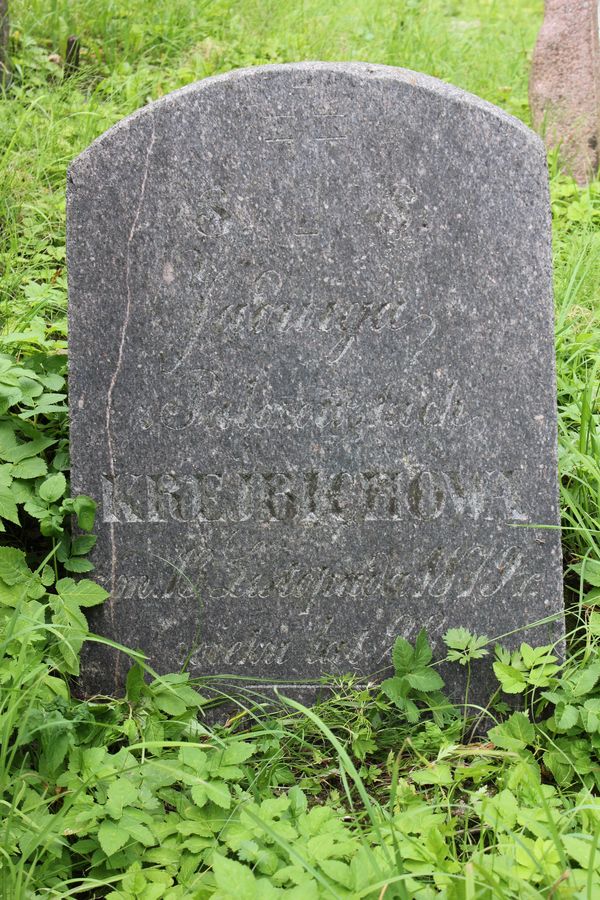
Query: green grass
374	793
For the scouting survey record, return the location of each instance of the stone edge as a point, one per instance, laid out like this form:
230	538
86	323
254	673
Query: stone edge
358	70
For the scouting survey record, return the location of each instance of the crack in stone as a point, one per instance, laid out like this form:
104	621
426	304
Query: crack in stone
115	376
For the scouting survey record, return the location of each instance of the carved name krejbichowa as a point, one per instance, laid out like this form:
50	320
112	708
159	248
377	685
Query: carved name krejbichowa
308	498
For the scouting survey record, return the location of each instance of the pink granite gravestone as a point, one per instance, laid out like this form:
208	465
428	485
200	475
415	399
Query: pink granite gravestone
564	88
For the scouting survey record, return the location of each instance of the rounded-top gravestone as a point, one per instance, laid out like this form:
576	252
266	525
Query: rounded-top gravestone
312	373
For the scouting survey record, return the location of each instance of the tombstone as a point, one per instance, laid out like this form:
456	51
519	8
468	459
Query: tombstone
564	87
312	373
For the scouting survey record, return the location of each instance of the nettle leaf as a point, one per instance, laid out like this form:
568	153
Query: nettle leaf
135	822
500	811
580	847
590	715
53	381
396	689
53	487
514	734
112	836
36	510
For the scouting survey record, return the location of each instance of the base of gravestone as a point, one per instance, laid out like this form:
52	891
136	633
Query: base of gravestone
473	689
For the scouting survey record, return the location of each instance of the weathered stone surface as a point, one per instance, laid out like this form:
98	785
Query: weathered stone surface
564	87
312	371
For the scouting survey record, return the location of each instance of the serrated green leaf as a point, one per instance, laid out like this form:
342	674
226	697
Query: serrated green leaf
137	829
425	680
199	795
111	836
195	758
395	689
78	565
82	544
218	792
121	792
22	491
514	734
36	510
423	653
8	437
17	453
83	592
47	576
30	468
457	638
439	773
235	879
568	718
85	510
589	571
53	488
402	655
581	848
511	680
169	703
8	506
585	680
13	566
236	752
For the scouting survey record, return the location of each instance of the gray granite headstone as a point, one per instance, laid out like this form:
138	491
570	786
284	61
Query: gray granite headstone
312	375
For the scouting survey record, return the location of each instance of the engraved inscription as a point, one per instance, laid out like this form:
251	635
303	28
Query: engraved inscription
258	409
301	131
309	498
440	574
